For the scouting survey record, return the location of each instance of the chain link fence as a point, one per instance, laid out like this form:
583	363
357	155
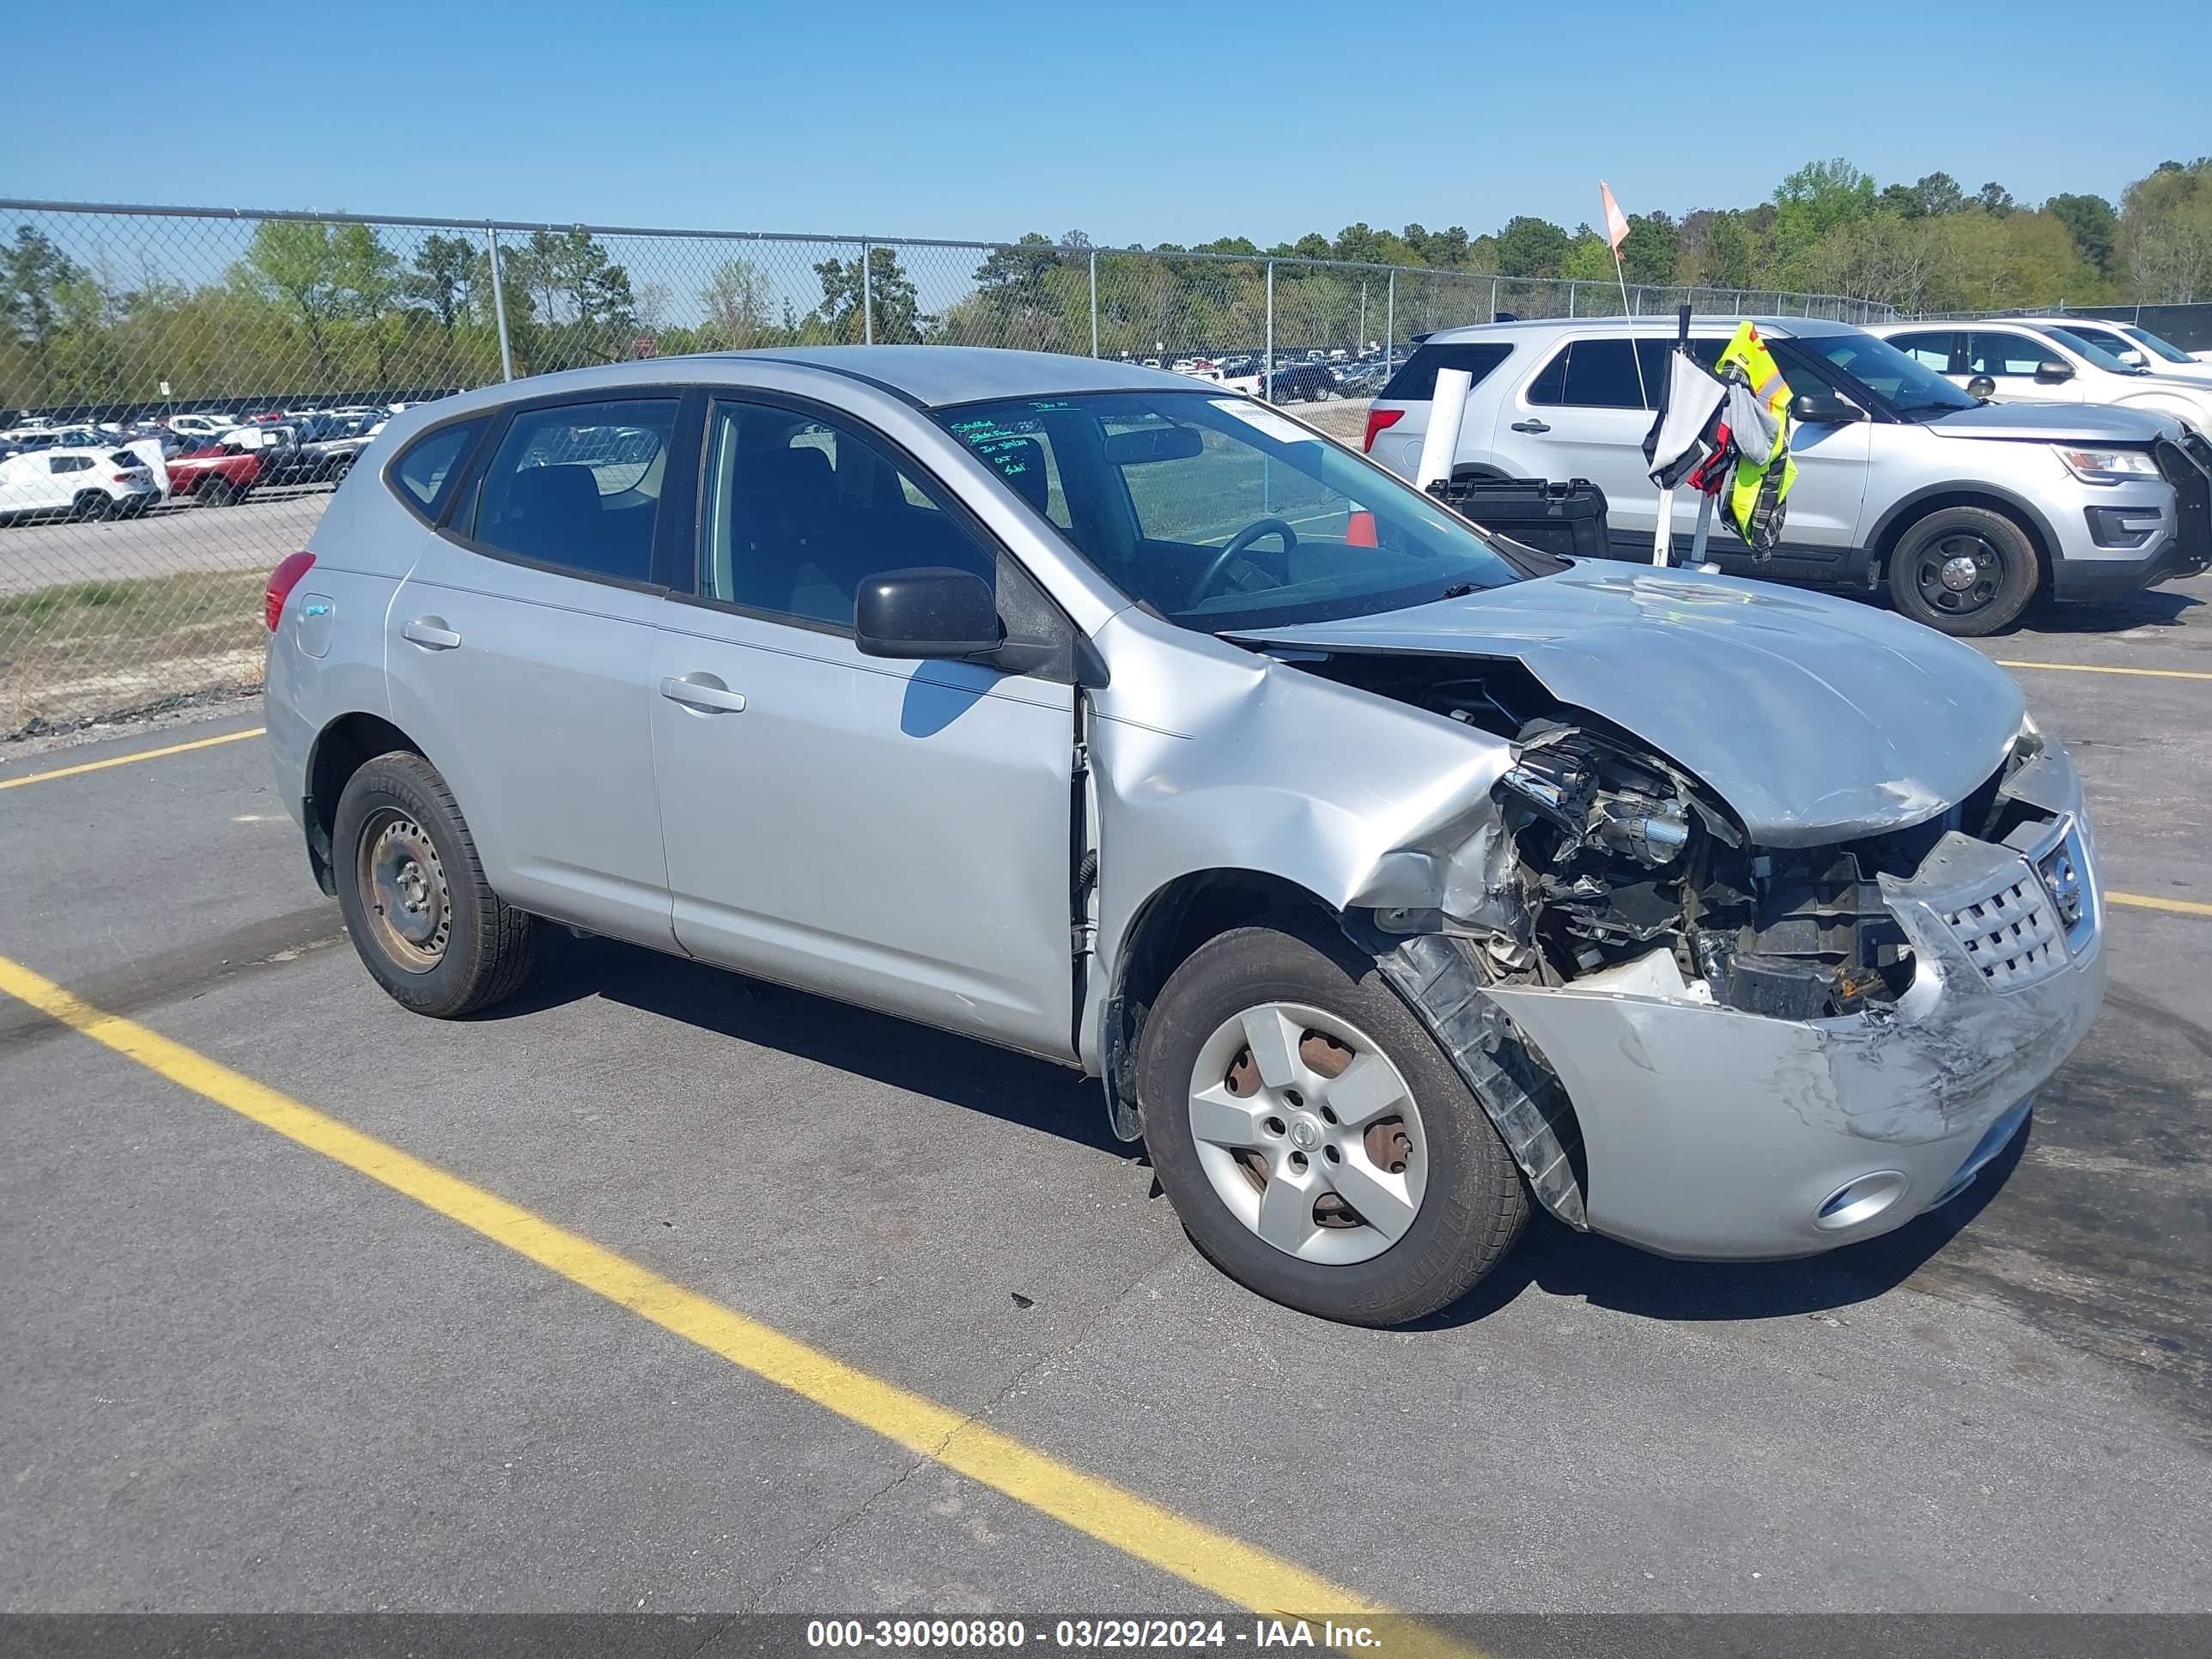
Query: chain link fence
181	388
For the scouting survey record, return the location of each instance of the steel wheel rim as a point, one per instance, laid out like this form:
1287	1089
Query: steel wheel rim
1959	573
1292	1147
403	889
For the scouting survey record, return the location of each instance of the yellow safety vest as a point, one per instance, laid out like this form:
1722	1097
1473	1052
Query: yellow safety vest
1753	506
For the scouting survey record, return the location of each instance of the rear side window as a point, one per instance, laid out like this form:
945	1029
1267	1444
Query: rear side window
578	487
425	475
1417	381
1602	374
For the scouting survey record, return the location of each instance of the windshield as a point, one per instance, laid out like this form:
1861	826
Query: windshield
1911	388
1223	514
2095	350
2158	348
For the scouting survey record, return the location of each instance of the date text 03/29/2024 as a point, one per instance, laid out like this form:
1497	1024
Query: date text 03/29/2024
983	1635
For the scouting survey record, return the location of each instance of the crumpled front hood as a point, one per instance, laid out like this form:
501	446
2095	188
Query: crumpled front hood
1817	719
2056	423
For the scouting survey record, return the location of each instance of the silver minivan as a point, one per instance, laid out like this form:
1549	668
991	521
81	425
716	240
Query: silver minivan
1392	880
1964	510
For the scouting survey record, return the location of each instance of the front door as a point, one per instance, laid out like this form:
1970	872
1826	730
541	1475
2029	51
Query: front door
2011	360
895	834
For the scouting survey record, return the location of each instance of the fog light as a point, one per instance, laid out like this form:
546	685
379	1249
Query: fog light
1860	1200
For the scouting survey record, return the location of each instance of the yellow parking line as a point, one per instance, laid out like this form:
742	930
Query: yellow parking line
126	759
1226	1567
2144	902
2099	668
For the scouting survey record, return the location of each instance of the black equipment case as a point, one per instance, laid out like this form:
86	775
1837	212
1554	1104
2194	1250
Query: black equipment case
1567	518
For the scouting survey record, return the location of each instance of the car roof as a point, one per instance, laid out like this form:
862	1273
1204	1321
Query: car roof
1781	327
934	376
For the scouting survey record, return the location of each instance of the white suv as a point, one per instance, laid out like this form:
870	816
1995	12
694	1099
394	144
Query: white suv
1966	509
2138	347
83	482
2043	363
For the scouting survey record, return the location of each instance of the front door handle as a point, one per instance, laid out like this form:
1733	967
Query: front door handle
430	633
1532	426
705	693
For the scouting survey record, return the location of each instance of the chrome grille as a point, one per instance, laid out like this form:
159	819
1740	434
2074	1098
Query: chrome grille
2013	935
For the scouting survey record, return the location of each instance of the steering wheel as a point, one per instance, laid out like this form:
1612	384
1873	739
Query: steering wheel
1238	543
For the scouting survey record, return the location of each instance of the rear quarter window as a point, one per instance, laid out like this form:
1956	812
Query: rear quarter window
424	476
1417	381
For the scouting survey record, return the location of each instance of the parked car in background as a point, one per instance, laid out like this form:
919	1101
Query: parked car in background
1391	880
2134	349
2029	362
78	483
214	476
204	424
1306	382
319	450
1964	510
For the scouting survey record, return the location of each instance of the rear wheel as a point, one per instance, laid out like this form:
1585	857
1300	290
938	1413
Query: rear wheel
426	924
1963	570
1316	1144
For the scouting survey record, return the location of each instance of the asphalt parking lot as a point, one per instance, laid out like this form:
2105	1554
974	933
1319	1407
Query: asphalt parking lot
238	1373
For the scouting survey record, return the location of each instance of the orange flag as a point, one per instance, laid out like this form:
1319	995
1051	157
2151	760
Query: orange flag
1616	222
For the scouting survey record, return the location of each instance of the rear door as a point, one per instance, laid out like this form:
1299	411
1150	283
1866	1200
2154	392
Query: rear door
1584	414
2011	359
892	833
520	646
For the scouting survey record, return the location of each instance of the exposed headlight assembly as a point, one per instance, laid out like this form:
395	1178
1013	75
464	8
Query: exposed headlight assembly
2107	466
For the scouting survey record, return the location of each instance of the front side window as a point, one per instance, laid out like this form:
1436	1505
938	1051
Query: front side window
2101	349
2000	353
800	510
578	487
2157	346
1223	514
1860	364
71	463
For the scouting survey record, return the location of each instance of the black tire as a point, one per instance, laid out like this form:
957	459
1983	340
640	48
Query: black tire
338	468
479	949
1474	1204
215	492
92	505
1986	551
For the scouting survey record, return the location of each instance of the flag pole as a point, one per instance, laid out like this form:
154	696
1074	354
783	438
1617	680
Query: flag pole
1642	390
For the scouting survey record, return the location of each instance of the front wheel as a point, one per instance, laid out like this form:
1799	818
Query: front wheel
1316	1143
92	505
215	492
426	924
1964	571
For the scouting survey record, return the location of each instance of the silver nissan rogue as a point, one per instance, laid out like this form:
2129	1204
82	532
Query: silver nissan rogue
1391	879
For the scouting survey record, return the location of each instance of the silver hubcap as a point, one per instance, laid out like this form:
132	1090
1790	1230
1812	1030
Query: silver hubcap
1959	573
1309	1134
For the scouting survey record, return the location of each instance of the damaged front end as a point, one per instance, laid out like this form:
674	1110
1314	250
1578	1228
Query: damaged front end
1711	1046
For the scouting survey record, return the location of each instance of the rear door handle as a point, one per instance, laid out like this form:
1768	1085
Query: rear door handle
430	633
1532	426
704	692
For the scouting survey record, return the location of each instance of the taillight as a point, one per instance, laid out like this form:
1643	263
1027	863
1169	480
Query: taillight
281	581
1379	420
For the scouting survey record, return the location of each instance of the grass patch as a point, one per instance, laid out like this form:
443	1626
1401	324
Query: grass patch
84	647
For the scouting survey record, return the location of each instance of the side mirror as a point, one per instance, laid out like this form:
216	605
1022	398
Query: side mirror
2133	359
930	611
1824	409
1981	387
2053	371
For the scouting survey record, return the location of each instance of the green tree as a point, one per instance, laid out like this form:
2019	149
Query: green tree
736	301
441	278
1652	251
1529	246
1994	198
2166	233
2095	226
889	298
33	273
299	263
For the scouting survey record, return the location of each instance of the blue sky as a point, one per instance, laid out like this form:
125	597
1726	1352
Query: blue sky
1133	121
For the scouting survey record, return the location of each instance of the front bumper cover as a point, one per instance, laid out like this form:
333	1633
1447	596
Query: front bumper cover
1707	1132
